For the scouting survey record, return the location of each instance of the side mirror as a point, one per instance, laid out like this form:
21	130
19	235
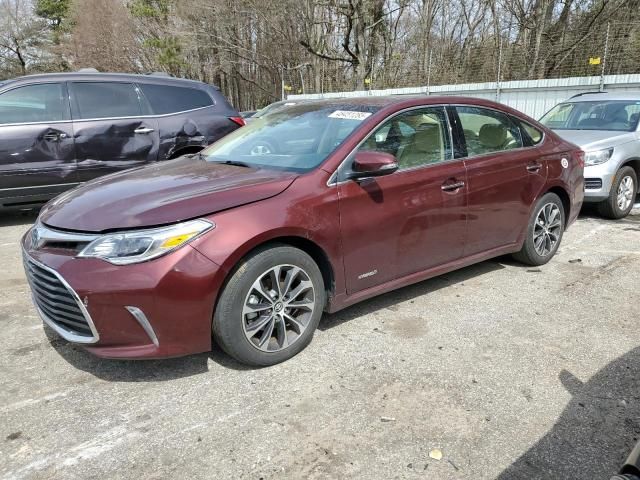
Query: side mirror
372	164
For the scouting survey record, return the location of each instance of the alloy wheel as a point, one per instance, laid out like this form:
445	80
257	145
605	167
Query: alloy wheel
625	193
547	229
278	308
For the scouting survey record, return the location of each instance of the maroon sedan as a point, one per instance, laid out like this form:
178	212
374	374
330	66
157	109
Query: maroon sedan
309	209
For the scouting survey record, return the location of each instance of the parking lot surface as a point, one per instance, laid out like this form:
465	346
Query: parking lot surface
503	371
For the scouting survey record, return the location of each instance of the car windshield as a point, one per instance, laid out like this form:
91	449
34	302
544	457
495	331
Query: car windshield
617	115
298	138
273	107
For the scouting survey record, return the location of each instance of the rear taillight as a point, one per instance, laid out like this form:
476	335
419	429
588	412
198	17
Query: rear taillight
239	120
578	155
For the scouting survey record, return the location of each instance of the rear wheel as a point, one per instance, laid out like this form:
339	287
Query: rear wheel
544	231
270	307
622	195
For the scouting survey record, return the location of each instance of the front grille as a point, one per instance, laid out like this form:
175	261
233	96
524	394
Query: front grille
592	183
57	303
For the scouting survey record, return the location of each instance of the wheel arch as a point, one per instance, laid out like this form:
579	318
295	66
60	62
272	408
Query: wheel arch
311	248
633	162
184	151
564	197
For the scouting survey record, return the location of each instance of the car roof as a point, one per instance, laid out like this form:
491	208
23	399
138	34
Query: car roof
604	96
130	77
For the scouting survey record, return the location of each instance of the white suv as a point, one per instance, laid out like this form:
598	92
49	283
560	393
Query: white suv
605	125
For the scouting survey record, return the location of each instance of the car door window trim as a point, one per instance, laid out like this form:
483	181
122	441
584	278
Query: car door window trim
333	179
67	106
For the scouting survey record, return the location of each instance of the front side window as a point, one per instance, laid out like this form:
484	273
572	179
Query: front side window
105	100
34	103
416	138
298	138
488	131
615	115
171	99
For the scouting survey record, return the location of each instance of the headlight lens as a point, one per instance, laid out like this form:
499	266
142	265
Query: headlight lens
141	245
597	157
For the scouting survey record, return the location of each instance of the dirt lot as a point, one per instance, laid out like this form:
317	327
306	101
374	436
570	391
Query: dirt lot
511	372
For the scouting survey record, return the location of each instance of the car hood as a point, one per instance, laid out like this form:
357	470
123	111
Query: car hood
596	139
160	194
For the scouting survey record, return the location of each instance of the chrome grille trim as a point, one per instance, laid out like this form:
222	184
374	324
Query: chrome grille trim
592	183
41	235
58	304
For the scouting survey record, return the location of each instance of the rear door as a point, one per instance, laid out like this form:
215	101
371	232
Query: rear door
411	220
112	130
505	176
36	143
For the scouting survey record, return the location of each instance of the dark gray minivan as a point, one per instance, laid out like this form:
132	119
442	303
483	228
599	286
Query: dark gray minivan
58	130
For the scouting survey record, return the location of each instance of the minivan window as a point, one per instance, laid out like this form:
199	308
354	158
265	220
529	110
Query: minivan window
615	115
298	138
171	99
105	100
488	131
34	103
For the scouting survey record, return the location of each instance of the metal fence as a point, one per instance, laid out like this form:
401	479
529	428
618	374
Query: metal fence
533	97
594	59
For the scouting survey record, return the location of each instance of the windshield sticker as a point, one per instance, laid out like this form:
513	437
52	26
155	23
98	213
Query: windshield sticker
349	115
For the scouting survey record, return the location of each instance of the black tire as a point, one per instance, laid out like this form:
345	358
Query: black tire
609	208
528	254
229	321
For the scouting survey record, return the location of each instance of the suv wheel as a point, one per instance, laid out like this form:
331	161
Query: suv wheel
544	231
622	195
270	307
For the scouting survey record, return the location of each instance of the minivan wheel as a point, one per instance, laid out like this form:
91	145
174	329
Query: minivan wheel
622	196
544	231
270	307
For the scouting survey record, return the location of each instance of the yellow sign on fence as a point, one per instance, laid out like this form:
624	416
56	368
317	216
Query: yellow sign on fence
594	61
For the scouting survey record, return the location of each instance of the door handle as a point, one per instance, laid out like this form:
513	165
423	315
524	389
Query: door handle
448	187
534	167
143	130
54	136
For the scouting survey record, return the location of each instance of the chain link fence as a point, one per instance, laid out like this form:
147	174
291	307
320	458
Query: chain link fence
603	49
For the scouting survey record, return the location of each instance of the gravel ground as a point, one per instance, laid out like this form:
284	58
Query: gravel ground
506	371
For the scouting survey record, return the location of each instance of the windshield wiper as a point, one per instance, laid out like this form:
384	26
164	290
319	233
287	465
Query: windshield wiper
233	162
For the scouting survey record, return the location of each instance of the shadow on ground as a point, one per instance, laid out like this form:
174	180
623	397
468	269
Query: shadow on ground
163	370
412	291
11	219
596	431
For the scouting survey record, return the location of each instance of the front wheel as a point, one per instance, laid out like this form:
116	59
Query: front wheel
270	307
544	231
622	195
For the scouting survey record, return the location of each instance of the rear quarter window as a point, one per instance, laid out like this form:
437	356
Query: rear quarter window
166	99
534	134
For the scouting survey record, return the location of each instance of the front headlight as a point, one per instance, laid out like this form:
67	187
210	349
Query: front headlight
597	157
141	245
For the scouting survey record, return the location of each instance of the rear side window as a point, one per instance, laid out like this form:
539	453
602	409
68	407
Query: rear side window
488	131
105	100
170	99
34	103
534	134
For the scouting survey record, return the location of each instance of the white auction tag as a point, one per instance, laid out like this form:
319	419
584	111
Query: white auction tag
349	115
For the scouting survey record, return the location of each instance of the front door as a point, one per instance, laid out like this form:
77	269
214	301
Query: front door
36	143
112	130
410	220
505	177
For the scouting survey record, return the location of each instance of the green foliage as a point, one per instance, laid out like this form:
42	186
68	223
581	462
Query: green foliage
158	9
168	53
54	11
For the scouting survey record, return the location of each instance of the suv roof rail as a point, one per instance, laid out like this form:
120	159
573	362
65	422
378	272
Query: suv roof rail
88	70
159	74
585	93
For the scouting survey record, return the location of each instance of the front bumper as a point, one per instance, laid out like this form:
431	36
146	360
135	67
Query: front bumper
598	180
156	309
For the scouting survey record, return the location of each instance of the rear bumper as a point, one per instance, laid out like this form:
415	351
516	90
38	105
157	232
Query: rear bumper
157	309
